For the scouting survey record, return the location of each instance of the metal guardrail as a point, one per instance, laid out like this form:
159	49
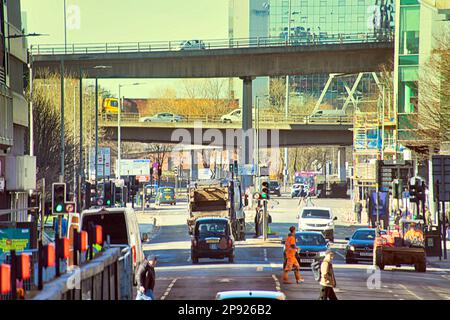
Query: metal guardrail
128	118
176	45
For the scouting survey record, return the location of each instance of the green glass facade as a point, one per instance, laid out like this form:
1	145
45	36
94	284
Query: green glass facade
408	55
329	18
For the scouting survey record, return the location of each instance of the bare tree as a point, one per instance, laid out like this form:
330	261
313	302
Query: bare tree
434	99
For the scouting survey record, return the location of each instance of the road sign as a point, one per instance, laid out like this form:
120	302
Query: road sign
103	162
135	167
441	176
246	170
143	178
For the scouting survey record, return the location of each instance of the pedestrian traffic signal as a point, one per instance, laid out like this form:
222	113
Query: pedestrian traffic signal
58	198
397	189
118	199
413	190
265	190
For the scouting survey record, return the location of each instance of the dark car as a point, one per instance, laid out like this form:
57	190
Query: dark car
275	188
212	238
360	246
313	246
166	195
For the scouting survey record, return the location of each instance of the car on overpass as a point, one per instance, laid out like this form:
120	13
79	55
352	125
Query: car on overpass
233	116
192	45
328	116
162	117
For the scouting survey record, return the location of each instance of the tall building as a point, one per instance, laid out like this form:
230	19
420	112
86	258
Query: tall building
248	19
419	23
323	19
17	169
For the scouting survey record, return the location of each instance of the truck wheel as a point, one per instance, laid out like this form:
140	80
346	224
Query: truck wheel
379	260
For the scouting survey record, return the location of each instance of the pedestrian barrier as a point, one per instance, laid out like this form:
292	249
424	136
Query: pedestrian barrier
99	279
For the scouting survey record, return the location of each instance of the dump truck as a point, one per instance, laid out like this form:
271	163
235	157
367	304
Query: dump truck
217	199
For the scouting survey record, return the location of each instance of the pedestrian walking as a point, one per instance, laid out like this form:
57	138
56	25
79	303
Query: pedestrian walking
145	278
258	220
291	263
358	211
327	279
302	196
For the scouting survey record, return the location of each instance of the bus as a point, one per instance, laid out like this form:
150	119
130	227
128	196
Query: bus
307	178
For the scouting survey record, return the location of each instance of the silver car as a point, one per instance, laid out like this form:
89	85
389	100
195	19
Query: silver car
162	117
192	45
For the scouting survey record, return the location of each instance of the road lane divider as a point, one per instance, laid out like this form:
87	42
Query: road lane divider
410	292
169	288
277	283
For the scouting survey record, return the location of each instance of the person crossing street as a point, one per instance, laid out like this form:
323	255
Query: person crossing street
291	249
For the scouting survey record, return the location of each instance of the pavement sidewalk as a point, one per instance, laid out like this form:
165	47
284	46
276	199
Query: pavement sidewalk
436	263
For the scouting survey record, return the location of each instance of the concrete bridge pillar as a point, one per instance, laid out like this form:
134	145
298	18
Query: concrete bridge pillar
194	165
341	164
247	106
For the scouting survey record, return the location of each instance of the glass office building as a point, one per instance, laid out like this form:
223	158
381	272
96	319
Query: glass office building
330	18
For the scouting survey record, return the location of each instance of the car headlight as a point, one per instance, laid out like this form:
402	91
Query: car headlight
330	224
351	248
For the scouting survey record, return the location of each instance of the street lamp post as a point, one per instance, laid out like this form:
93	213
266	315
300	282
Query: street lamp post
118	125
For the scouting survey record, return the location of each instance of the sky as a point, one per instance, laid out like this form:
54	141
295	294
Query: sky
101	21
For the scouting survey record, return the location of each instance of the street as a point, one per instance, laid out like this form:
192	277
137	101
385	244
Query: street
258	264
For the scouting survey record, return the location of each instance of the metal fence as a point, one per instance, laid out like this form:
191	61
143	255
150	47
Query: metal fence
127	118
179	45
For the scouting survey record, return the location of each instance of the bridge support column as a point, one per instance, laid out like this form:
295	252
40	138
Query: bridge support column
194	165
247	129
341	165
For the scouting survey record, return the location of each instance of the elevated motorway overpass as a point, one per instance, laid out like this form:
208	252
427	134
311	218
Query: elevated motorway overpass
292	132
340	53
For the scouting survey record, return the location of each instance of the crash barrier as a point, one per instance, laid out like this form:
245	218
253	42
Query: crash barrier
107	277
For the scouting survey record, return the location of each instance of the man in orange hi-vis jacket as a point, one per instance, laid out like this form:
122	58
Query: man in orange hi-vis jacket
290	249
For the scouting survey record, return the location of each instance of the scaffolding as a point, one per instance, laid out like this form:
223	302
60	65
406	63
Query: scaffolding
374	138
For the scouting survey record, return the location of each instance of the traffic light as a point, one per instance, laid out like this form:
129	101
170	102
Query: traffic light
159	170
397	189
33	202
118	199
108	199
265	190
58	198
413	190
87	195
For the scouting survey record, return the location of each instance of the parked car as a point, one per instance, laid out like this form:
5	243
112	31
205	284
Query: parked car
192	45
166	195
212	238
162	117
313	246
250	294
317	219
274	188
360	246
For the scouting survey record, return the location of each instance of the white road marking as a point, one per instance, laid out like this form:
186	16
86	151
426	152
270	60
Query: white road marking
259	268
265	255
168	289
340	254
410	292
439	293
277	283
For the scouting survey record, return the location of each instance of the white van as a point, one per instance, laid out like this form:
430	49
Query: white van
120	224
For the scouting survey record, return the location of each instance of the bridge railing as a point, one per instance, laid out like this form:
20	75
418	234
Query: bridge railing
177	45
126	118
